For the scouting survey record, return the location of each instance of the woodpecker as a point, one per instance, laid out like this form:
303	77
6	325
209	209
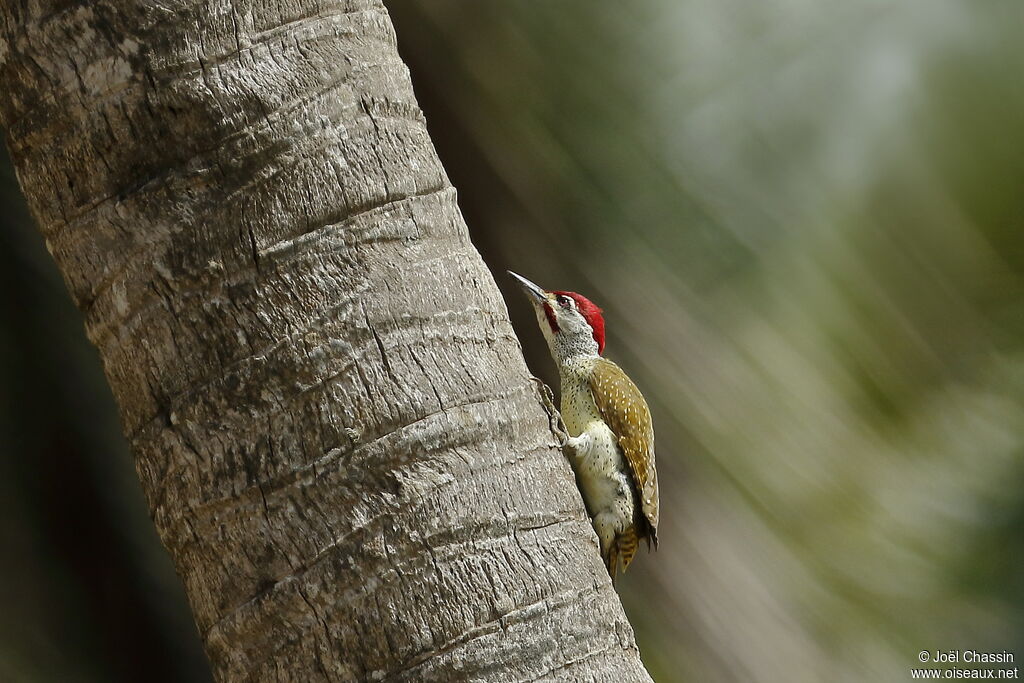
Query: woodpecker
610	438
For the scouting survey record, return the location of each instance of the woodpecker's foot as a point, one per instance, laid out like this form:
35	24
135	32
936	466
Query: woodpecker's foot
547	399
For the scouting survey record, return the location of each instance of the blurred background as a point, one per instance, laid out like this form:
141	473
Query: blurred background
805	223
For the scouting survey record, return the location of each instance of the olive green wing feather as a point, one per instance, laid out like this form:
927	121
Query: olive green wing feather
625	411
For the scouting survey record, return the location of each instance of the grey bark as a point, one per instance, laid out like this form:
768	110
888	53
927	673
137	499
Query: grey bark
331	417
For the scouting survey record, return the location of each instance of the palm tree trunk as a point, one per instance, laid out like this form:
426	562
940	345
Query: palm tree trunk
330	413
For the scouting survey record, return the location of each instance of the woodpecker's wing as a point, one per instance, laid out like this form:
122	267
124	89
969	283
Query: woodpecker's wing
625	411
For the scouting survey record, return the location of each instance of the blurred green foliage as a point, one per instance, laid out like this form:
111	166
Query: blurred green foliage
804	221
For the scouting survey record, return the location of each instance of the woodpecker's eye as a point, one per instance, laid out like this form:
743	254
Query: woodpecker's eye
565	301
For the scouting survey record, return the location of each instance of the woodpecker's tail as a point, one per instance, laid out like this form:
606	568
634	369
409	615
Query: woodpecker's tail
623	547
627	542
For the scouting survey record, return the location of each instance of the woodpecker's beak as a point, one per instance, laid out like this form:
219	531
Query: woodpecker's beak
535	293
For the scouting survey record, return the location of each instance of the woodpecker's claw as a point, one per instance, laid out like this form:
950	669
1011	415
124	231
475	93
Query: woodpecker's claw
547	399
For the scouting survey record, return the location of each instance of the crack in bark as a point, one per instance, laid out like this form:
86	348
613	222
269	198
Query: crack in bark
576	662
358	211
518	615
174	402
100	331
294	476
495	533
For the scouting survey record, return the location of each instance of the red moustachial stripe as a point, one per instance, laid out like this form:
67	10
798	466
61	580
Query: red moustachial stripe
550	314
